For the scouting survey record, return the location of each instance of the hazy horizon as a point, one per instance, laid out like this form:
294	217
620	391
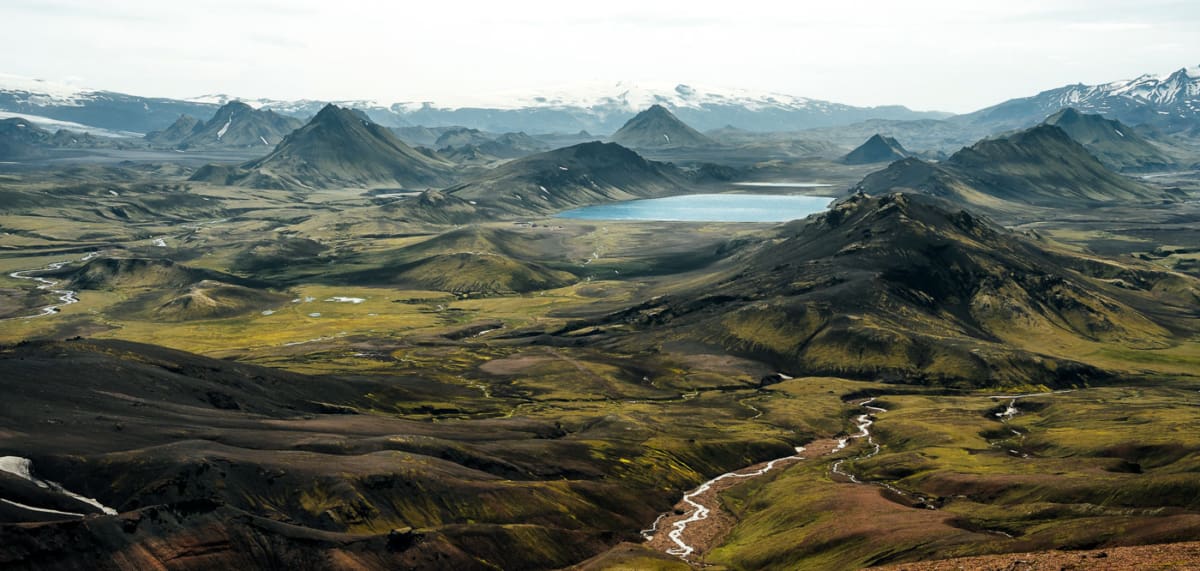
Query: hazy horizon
930	55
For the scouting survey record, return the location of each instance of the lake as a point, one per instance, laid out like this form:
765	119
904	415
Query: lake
707	208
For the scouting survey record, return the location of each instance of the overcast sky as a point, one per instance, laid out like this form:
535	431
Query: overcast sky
952	55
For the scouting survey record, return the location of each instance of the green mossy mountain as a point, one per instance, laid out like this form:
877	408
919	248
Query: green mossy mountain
163	290
338	148
877	149
471	259
22	140
1040	166
579	175
655	128
1115	144
234	125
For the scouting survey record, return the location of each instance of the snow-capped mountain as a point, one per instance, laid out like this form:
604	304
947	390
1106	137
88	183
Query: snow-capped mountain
597	108
93	108
1170	102
603	108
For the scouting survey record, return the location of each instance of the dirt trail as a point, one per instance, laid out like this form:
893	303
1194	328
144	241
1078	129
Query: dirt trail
1163	556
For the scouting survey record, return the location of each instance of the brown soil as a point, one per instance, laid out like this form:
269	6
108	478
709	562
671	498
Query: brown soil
705	534
1140	557
515	364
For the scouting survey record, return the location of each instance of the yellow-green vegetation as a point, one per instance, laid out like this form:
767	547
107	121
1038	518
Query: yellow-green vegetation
557	384
1098	466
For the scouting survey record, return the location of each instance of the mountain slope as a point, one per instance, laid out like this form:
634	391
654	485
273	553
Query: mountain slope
337	149
1115	144
877	149
1039	166
658	128
235	124
905	288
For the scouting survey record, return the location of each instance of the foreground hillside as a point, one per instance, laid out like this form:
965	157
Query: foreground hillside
361	377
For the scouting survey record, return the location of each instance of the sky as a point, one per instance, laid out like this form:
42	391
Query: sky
953	56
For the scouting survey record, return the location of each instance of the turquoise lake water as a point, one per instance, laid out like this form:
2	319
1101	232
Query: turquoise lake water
707	208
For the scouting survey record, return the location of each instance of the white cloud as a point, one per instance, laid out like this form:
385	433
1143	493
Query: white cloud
1109	26
922	53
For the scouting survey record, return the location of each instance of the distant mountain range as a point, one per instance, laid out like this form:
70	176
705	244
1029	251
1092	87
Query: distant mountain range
94	108
603	110
1168	102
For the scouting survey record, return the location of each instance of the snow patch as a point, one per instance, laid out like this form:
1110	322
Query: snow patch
23	468
225	128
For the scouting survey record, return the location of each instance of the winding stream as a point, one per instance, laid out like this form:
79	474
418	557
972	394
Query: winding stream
1011	410
864	431
700	512
65	296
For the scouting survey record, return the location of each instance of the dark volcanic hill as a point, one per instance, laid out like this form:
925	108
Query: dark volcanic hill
907	288
511	146
476	147
1117	145
21	139
657	128
183	127
209	463
235	124
1039	166
588	173
337	149
460	136
877	149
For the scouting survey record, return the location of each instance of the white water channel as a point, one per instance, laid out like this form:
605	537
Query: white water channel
700	512
864	422
23	468
65	296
